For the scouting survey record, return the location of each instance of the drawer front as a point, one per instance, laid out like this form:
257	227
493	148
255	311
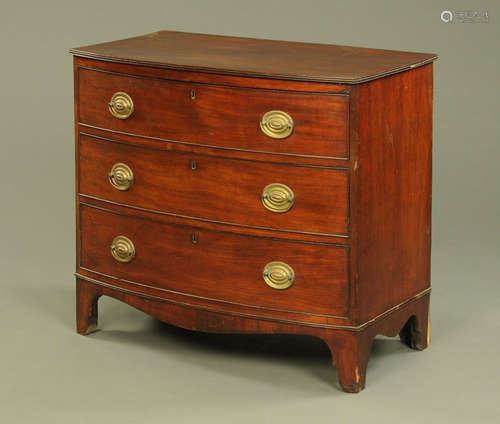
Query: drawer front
216	265
216	115
224	190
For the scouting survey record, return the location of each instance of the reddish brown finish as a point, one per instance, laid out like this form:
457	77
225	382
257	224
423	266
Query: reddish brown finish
87	296
161	144
184	299
213	79
350	350
219	265
219	116
211	225
220	190
394	190
373	281
255	57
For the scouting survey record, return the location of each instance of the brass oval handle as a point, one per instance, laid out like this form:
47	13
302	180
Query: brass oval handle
121	176
278	275
278	197
121	105
277	124
122	249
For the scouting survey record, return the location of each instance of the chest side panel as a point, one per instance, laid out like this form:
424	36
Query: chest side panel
394	177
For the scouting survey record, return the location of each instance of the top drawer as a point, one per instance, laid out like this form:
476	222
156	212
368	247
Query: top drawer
313	124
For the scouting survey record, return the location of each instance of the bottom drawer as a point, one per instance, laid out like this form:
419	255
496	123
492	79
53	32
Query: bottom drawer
215	264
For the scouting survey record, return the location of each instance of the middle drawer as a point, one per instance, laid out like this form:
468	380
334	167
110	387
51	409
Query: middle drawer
256	194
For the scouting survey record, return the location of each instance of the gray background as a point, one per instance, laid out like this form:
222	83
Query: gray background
138	370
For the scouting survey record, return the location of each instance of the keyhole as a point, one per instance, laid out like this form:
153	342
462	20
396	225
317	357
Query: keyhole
193	94
194	238
193	165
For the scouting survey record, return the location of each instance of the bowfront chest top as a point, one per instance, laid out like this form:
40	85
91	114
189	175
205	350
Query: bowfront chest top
255	186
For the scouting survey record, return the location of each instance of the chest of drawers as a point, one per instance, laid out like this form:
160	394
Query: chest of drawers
254	186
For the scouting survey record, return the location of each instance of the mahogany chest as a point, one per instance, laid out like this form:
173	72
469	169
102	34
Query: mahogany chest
254	186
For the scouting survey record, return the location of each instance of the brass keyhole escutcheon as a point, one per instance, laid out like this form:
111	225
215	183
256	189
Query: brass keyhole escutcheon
121	176
121	105
278	198
278	275
277	124
122	249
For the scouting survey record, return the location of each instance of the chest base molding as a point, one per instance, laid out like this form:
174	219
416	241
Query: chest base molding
349	346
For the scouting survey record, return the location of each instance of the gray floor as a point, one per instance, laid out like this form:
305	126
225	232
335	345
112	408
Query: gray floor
137	369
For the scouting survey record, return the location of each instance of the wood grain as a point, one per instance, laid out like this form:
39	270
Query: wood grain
222	190
393	185
220	265
213	79
255	57
213	225
350	350
219	116
359	162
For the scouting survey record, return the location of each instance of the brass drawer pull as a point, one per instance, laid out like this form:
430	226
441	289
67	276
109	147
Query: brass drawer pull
278	275
276	124
121	105
122	249
121	176
277	197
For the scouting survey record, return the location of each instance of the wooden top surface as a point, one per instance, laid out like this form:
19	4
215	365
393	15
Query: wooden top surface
255	57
